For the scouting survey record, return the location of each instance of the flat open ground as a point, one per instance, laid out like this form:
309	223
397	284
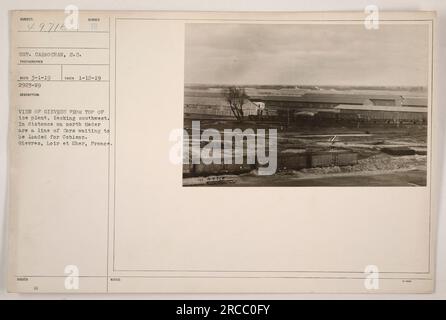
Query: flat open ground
374	167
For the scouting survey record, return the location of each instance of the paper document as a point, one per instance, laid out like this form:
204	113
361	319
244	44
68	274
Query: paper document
222	152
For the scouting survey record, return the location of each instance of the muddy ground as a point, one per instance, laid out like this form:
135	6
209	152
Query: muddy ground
374	168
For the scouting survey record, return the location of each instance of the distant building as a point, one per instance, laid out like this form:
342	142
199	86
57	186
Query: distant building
397	101
330	100
325	106
382	113
391	108
200	106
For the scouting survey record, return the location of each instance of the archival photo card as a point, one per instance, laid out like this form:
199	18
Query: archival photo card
117	121
326	104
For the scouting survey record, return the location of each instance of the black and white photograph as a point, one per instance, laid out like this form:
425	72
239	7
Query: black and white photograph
306	104
218	151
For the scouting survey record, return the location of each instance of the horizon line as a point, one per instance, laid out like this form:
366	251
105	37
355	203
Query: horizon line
305	85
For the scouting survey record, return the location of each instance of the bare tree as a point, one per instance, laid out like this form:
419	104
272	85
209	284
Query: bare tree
236	98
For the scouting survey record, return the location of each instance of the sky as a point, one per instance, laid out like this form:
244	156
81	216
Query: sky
310	54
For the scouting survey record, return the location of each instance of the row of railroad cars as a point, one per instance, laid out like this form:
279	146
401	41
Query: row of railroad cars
285	161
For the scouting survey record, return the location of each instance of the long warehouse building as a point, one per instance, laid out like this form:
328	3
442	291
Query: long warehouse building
382	113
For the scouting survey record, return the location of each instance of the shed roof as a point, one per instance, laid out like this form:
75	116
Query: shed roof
341	98
381	108
415	101
219	100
